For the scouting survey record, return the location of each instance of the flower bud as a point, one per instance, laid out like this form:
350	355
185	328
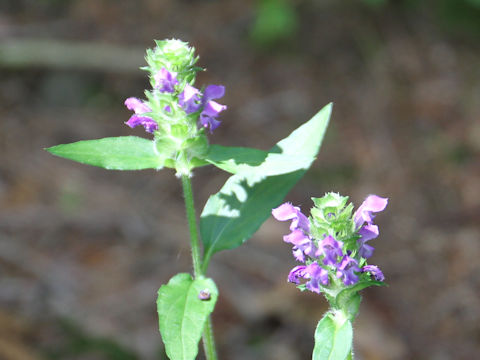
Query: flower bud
173	55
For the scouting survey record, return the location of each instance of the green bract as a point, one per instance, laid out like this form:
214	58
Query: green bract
332	216
173	55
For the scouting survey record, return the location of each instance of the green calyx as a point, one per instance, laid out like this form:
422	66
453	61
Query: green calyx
333	216
175	56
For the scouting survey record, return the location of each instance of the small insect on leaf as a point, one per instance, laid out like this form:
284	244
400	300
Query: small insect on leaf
204	295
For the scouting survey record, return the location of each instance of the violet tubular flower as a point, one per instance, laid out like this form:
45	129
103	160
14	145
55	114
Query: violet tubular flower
331	249
372	204
300	227
296	274
287	211
316	275
346	270
189	99
374	271
367	232
140	108
302	244
165	80
211	109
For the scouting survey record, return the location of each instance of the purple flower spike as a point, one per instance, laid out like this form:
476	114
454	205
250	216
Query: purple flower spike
367	232
374	271
372	204
165	80
296	274
331	249
346	270
140	108
287	211
189	99
317	276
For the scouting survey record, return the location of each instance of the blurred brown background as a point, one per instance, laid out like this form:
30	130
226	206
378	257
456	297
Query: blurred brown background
83	250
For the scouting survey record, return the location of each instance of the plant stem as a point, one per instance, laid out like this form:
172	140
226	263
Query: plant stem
192	225
208	339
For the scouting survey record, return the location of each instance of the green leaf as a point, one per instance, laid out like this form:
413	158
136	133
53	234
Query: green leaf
114	153
232	215
182	314
248	161
333	338
234	159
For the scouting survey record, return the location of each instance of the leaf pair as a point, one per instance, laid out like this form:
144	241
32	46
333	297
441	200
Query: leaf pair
260	181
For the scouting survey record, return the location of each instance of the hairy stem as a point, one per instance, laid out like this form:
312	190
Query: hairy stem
192	225
208	339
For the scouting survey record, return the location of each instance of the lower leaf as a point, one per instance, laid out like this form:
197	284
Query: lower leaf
183	306
333	337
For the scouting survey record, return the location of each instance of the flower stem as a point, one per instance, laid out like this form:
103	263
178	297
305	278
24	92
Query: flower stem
208	339
192	225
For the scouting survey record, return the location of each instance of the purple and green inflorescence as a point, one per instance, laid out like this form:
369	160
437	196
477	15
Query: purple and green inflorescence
175	112
332	242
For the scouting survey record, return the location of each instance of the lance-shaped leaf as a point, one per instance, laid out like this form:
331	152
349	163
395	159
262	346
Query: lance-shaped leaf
232	215
333	338
183	306
113	153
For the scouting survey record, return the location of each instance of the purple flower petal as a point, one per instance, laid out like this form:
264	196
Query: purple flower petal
287	211
372	203
137	105
208	122
346	270
296	274
209	113
165	80
298	254
213	92
374	271
331	249
367	232
317	275
296	237
148	123
213	109
189	99
284	212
